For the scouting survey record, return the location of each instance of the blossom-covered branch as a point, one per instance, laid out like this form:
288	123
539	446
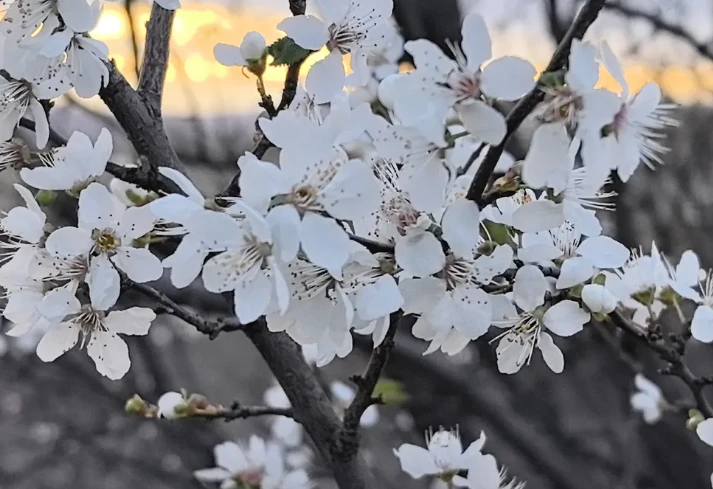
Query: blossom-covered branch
586	17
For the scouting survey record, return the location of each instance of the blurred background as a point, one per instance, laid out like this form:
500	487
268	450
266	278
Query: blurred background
62	426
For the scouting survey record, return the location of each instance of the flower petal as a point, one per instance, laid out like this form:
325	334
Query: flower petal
565	318
482	121
306	30
104	283
378	299
57	341
605	252
508	78
551	353
110	354
134	321
548	162
138	263
529	288
461	227
416	461
476	41
228	55
702	324
326	78
325	243
540	215
574	271
420	254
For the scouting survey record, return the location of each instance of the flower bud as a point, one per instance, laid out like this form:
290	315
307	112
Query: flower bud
46	198
136	406
695	417
172	405
598	299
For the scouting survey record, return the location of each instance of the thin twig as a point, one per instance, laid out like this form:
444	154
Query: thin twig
236	411
587	15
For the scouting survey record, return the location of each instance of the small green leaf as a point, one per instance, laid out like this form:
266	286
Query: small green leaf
392	392
285	51
46	197
498	232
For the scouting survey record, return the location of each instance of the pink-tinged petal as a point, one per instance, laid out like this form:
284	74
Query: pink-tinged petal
565	318
110	354
139	264
529	288
104	283
420	254
135	321
508	78
57	341
325	243
306	30
482	121
476	41
551	353
228	55
540	215
326	78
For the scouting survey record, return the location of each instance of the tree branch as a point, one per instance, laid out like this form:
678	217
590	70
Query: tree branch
587	15
156	54
236	411
660	24
311	406
367	382
674	358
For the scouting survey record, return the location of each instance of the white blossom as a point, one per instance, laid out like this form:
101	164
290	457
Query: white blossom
251	49
648	399
15	98
170	404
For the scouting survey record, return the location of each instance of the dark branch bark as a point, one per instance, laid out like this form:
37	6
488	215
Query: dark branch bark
236	411
156	54
311	406
587	15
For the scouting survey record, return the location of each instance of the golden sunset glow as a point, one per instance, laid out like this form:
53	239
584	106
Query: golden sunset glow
219	89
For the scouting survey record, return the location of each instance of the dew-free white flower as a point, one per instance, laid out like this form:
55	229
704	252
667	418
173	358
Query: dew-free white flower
483	473
704	430
107	230
260	464
440	83
99	330
250	264
73	166
309	183
526	330
625	130
15	98
640	275
169	403
354	27
648	399
702	322
251	49
579	258
444	456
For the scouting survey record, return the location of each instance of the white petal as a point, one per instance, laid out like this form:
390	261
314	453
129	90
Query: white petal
704	430
529	288
69	242
326	78
574	271
252	298
104	283
482	121
184	183
416	461
79	16
604	252
325	243
136	222
110	354
508	78
23	223
614	68
584	220
42	126
644	103
370	417
702	324
228	55
421	294
583	72
282	292
97	207
476	41
426	185
333	11
461	227
511	355
285	227
58	303
138	263
353	193
420	254
565	318
551	353
307	31
135	321
260	181
57	341
540	215
598	299
174	208
378	299
548	162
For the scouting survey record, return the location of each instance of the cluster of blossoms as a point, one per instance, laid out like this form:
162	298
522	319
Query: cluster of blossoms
362	215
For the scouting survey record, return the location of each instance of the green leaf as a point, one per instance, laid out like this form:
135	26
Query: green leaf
498	232
392	392
285	51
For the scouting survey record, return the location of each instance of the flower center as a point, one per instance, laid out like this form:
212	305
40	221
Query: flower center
250	479
465	85
617	124
90	321
304	197
456	272
106	240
